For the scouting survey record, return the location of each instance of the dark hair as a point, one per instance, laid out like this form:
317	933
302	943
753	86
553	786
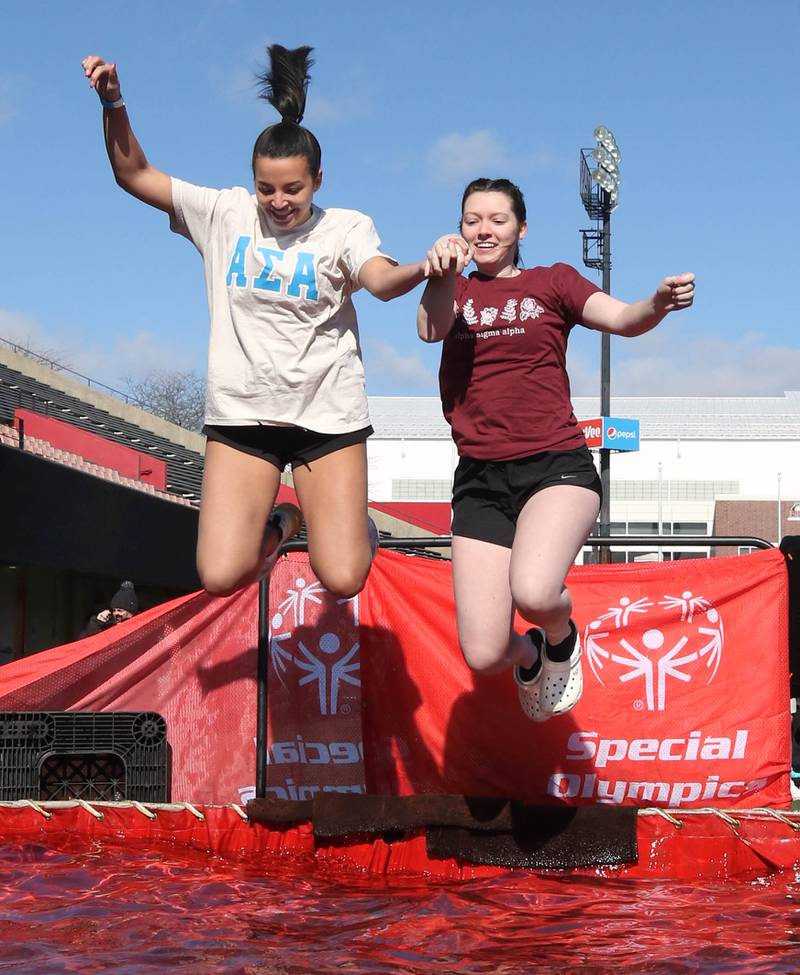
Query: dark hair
284	85
511	190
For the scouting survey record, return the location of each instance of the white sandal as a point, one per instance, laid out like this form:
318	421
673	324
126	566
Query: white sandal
562	680
529	690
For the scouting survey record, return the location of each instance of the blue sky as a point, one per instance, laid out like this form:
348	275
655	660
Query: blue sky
410	101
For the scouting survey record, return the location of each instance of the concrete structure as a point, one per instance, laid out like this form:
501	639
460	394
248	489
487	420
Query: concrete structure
695	452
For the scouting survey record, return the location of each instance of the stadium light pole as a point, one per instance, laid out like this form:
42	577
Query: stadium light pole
599	188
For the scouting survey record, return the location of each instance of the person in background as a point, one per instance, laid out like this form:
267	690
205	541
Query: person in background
124	605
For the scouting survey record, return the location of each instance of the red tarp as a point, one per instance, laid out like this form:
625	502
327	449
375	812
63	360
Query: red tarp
685	703
696	846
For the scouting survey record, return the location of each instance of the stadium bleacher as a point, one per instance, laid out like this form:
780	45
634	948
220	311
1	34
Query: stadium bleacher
184	466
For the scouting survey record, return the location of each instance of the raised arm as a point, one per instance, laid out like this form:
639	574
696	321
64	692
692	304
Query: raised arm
131	169
437	309
607	314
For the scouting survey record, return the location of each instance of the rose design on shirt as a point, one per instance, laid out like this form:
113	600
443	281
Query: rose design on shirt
530	308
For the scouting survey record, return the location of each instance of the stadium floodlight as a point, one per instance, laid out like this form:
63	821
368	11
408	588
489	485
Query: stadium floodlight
604	179
599	189
604	158
605	138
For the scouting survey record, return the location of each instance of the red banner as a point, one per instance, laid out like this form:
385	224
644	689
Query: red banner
685	704
315	742
686	700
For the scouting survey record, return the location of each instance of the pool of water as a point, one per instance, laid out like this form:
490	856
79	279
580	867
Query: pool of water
113	909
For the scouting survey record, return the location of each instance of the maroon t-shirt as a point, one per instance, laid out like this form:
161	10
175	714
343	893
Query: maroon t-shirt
503	378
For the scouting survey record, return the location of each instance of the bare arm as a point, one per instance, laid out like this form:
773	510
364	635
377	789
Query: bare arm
437	309
131	169
386	279
607	314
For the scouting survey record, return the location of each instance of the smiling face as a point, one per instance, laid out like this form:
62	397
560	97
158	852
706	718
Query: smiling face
491	226
285	189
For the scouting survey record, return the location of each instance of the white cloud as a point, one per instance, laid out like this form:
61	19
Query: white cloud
321	111
387	366
133	354
457	156
671	362
27	333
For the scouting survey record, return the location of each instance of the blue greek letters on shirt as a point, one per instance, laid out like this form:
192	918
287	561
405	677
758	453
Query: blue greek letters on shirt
264	282
304	274
236	268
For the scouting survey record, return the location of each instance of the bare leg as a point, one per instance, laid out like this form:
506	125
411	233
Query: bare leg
484	609
238	494
333	496
551	529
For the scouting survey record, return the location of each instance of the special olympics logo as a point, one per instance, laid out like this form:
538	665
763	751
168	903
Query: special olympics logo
329	662
653	655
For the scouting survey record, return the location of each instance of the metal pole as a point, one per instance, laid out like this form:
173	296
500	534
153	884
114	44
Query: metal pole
604	554
780	527
262	681
660	529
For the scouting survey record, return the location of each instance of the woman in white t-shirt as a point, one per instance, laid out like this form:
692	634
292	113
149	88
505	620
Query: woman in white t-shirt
285	377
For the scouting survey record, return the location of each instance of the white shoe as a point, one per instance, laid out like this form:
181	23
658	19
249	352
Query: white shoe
562	680
286	517
530	690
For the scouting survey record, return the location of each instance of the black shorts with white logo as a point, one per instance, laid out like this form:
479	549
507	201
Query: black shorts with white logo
488	495
284	445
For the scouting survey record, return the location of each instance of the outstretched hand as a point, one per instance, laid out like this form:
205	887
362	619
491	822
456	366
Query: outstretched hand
102	77
676	292
449	255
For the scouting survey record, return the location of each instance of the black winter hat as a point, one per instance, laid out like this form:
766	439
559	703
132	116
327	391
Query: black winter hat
125	598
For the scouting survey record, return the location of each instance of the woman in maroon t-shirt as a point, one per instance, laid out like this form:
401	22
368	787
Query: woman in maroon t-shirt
525	493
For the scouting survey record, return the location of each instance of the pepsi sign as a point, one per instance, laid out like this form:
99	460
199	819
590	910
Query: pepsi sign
611	433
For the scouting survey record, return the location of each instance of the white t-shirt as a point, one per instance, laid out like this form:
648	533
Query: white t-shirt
284	345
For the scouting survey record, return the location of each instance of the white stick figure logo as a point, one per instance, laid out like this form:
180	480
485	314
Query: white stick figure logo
278	654
324	665
329	676
297	599
656	657
689	604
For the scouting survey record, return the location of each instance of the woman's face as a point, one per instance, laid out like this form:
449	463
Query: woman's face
490	225
284	190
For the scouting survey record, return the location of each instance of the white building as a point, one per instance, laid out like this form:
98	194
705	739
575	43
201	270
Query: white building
694	450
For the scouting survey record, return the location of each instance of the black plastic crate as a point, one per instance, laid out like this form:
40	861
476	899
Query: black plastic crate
84	755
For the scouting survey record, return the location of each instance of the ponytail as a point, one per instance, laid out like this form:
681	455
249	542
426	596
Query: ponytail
285	85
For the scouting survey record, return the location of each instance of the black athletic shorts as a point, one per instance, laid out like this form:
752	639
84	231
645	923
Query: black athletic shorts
488	495
284	445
